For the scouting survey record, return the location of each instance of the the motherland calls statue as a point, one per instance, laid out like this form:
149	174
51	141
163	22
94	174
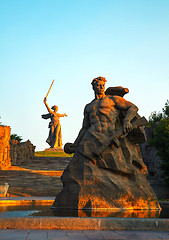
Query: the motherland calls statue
107	170
55	138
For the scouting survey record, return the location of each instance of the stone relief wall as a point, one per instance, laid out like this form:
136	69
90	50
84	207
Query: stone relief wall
13	152
5	161
152	161
21	152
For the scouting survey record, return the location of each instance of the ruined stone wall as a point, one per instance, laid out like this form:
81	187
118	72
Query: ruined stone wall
21	152
5	161
153	162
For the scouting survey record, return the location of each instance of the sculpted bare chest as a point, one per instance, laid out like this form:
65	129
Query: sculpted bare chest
102	109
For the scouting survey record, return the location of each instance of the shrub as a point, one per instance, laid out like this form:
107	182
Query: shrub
160	138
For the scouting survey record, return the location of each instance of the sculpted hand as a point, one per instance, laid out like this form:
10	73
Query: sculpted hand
69	148
127	126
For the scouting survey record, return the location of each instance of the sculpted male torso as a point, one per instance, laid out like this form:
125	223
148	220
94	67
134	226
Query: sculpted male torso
101	114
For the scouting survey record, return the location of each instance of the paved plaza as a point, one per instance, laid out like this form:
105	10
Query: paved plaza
15	234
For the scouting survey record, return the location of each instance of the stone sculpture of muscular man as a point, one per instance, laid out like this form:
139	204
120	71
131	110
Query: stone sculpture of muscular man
117	177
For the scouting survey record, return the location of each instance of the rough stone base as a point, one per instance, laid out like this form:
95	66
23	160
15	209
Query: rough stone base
98	188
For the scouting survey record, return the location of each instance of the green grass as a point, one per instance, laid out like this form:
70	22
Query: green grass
163	199
52	154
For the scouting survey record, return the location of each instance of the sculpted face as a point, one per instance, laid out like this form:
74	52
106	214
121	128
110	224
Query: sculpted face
55	108
99	87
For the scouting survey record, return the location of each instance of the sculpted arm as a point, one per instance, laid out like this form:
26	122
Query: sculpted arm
48	108
71	147
62	115
131	111
83	130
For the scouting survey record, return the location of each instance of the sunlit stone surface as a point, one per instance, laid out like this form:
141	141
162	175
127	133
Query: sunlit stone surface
5	160
114	178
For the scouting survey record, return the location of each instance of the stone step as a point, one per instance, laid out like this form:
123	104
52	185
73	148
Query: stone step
40	177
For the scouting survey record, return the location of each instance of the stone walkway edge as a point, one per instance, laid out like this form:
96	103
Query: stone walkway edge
80	223
76	223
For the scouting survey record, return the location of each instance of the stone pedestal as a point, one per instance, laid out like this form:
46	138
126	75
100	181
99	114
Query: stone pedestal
87	186
54	150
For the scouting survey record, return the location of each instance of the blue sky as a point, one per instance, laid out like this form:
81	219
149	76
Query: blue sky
73	41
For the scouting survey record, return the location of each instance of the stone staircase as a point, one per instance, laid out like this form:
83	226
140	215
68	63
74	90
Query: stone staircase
38	178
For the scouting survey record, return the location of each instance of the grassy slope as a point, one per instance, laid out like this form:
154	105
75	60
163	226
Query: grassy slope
52	154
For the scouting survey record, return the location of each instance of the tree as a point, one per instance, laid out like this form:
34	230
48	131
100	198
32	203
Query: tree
1	122
16	137
13	136
160	138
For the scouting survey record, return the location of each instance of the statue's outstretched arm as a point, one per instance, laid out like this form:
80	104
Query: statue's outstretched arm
62	115
47	106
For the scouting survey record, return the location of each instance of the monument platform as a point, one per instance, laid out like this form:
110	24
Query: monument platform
54	149
79	223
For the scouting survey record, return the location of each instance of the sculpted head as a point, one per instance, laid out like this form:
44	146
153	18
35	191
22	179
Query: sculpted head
99	85
55	108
